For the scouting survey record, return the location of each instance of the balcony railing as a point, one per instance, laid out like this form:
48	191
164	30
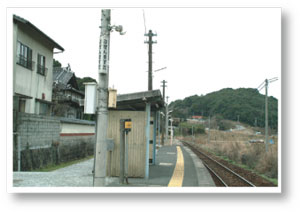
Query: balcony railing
23	61
68	98
42	69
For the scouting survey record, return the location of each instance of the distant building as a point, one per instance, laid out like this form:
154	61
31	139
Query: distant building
68	100
197	117
176	121
32	68
196	120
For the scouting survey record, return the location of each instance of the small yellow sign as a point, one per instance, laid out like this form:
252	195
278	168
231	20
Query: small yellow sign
128	124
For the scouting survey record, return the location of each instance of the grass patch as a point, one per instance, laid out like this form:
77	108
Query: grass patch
273	180
62	165
251	157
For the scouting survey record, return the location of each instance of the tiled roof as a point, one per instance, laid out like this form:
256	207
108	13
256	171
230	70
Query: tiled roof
62	75
64	78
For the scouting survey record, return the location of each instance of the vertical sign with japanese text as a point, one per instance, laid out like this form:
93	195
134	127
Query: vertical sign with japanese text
104	54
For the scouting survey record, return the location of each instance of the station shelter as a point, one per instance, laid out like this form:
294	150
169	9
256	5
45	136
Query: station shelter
143	109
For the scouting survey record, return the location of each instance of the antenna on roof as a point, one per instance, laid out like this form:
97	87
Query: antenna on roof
69	67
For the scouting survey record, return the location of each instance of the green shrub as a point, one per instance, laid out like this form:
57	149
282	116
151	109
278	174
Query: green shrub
189	129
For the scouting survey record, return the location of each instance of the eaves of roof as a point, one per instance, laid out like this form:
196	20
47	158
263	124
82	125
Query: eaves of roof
24	21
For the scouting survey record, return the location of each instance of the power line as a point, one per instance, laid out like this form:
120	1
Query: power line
263	83
273	79
144	21
160	69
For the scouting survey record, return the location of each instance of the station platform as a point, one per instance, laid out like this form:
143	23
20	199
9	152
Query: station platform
175	166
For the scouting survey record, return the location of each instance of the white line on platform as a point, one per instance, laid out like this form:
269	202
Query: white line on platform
165	164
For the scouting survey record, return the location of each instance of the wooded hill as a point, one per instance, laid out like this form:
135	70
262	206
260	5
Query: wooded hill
80	82
228	103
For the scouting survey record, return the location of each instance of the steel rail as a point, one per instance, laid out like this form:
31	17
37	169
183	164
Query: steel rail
216	175
226	168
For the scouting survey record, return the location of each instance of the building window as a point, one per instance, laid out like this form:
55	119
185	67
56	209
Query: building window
44	109
22	104
24	55
41	64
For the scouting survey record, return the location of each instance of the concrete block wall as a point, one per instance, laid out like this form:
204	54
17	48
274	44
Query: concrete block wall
38	131
51	140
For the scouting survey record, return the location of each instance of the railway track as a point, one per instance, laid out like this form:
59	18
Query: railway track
222	175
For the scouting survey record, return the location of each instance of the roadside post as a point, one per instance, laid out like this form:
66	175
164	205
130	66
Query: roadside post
125	127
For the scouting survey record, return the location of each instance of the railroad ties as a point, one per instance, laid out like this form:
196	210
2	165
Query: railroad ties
222	175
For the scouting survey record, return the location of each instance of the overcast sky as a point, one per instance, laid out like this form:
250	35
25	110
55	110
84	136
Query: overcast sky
204	49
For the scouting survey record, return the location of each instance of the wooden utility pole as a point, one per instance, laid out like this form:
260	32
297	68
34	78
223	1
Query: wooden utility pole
162	122
150	42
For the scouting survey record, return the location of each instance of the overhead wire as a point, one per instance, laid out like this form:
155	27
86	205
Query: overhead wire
144	21
273	79
261	88
262	84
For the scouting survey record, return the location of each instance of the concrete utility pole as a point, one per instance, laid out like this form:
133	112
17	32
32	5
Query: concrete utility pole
158	127
150	42
172	133
167	120
162	123
192	131
102	92
265	84
209	129
266	114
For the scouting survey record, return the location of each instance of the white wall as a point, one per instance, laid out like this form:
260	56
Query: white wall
76	128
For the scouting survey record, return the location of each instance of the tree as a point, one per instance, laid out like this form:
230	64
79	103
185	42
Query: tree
247	103
56	63
81	81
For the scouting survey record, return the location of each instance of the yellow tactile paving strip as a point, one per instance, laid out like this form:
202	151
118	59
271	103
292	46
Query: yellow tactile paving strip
177	178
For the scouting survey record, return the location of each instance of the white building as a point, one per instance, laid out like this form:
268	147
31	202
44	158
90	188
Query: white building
32	67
